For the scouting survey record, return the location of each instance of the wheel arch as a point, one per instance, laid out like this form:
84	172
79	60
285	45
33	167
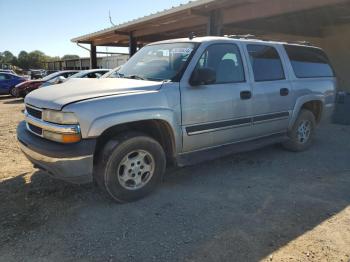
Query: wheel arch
159	129
314	103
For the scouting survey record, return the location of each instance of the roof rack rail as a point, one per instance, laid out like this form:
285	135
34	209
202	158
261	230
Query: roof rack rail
247	36
300	43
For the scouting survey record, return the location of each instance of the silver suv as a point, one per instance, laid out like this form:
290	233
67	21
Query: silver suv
177	102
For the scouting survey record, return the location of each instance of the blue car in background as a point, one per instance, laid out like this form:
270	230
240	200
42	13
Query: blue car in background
8	82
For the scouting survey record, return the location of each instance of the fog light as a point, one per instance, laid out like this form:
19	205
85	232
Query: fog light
62	138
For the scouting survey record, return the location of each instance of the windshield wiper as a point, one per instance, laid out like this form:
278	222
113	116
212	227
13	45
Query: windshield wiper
134	77
141	78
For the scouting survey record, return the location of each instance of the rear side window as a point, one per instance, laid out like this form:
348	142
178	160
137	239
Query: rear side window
68	74
309	62
266	63
5	77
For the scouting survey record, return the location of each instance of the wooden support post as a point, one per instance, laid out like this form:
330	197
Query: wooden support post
214	26
132	45
93	57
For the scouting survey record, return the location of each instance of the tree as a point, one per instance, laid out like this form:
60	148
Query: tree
68	57
36	59
23	61
7	57
33	60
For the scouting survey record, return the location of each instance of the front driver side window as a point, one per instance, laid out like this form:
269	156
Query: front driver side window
225	60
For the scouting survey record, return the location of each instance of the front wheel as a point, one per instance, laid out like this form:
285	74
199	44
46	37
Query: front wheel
130	166
302	133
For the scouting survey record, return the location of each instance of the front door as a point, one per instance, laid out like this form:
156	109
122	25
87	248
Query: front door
217	113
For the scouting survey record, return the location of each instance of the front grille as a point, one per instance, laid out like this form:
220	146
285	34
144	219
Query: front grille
34	112
35	129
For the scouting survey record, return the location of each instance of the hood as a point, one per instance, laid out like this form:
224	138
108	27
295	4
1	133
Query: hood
28	82
56	96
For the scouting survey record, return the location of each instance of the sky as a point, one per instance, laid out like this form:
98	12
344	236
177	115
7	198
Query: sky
49	25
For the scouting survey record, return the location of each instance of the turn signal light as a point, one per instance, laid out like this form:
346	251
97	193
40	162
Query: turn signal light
62	138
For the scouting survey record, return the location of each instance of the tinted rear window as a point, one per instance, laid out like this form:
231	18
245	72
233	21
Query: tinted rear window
309	62
266	63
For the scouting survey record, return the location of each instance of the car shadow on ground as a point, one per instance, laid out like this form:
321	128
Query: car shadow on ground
6	97
13	102
237	208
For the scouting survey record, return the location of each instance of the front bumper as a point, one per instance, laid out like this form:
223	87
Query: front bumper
69	162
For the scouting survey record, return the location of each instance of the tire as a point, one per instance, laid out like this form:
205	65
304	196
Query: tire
25	93
12	93
302	133
130	167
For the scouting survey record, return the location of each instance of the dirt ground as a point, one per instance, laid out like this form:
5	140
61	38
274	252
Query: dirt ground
265	205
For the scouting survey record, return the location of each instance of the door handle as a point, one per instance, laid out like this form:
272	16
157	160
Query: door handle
284	91
246	95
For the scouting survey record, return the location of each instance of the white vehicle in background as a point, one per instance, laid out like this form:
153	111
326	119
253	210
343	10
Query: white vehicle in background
7	71
92	73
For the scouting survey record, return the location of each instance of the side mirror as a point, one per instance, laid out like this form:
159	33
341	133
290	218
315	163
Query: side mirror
203	76
60	80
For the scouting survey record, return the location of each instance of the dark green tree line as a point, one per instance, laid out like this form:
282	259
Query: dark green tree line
25	60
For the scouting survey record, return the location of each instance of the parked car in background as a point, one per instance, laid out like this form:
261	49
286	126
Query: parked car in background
8	82
37	74
177	102
7	71
92	73
110	72
22	89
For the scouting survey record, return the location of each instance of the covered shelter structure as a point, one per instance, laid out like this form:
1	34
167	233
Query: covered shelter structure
324	23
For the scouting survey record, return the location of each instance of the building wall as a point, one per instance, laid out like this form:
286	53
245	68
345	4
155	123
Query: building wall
108	62
111	62
335	41
337	45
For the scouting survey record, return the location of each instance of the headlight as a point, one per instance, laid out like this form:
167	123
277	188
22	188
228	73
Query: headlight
59	117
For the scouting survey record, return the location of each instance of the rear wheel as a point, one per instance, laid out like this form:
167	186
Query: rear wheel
302	133
130	167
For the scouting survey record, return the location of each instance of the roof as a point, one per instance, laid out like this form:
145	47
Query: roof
238	38
169	11
302	18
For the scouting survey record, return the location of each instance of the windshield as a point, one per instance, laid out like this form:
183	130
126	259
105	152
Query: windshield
51	76
79	74
157	62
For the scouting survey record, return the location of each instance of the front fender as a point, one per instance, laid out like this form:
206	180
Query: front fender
300	102
99	125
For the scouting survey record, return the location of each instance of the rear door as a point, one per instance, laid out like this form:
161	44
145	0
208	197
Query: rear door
215	114
272	91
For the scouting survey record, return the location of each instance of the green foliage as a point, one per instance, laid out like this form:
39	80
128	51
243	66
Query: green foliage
32	60
68	57
7	57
